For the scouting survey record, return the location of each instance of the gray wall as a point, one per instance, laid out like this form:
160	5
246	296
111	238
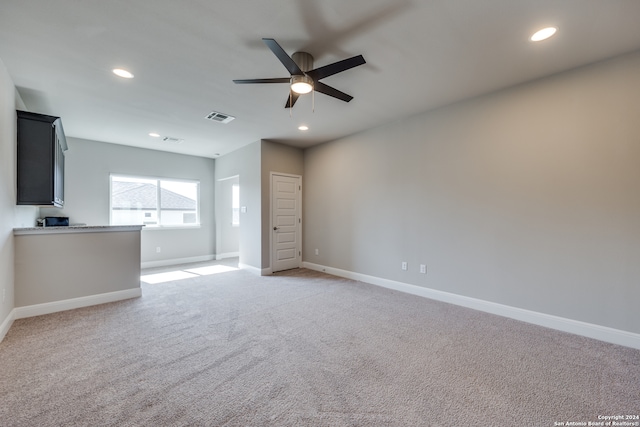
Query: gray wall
52	267
7	191
88	165
245	162
11	216
529	197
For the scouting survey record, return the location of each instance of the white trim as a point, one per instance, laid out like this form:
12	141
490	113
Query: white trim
175	261
590	330
6	324
266	271
70	304
255	270
227	255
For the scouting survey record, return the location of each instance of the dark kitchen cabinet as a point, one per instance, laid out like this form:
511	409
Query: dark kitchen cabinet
41	147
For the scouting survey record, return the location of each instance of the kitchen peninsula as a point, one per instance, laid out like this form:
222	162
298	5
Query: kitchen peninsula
61	268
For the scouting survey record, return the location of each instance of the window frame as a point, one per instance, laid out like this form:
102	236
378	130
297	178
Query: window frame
158	182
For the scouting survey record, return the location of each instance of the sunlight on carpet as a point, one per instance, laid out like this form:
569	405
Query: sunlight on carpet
185	274
212	269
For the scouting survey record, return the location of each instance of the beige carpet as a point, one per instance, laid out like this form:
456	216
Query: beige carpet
302	349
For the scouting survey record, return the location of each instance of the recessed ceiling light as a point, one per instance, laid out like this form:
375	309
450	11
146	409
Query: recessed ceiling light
543	34
122	73
303	127
155	135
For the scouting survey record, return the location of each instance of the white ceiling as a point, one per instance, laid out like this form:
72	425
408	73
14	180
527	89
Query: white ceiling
420	55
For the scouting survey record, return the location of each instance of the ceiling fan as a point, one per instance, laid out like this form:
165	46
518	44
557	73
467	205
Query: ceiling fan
304	78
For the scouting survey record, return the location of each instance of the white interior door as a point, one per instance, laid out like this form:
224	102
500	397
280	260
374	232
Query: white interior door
286	222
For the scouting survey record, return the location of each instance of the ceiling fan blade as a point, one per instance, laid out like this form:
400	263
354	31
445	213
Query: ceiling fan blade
328	90
286	60
291	100
336	67
276	80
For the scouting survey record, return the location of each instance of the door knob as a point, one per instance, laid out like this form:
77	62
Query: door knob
275	228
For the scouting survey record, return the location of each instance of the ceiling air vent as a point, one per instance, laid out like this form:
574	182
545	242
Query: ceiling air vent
219	117
172	140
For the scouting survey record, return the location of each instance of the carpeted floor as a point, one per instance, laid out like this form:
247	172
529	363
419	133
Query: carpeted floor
302	348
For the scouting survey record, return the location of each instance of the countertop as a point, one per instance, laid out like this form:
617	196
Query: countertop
76	229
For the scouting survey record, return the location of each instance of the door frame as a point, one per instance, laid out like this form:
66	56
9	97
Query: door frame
298	228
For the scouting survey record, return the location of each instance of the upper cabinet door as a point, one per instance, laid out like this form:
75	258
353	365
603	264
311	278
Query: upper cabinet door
40	156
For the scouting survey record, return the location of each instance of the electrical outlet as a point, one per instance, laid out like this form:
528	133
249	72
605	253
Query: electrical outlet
317	252
423	268
158	249
404	265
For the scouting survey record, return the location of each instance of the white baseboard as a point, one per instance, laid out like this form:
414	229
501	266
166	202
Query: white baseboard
227	255
176	261
255	270
6	324
590	330
70	304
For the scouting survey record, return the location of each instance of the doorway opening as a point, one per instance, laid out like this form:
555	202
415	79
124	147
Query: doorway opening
228	217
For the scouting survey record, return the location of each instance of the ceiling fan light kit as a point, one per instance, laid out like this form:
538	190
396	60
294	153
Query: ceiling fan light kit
301	84
303	78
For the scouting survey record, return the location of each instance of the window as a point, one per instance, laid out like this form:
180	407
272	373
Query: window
235	205
154	202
